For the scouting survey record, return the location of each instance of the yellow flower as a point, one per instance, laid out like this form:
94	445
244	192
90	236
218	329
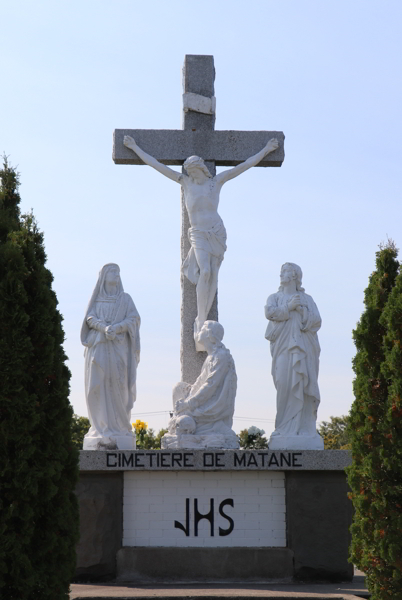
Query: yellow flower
140	426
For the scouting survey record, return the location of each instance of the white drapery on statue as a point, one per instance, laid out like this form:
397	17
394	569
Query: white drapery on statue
212	241
215	390
110	364
292	331
203	411
295	361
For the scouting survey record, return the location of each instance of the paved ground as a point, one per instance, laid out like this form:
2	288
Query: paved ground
314	591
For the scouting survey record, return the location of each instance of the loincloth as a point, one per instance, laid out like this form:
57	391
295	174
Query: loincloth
212	241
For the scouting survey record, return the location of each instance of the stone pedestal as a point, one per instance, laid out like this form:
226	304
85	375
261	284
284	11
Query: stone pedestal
118	442
188	565
217	440
214	515
296	442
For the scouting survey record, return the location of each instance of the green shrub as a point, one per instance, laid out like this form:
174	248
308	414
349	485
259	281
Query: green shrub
146	439
79	429
375	476
335	433
38	471
252	439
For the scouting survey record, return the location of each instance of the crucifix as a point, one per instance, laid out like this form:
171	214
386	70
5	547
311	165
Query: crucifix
200	149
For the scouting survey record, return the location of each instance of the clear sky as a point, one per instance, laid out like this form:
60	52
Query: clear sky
326	73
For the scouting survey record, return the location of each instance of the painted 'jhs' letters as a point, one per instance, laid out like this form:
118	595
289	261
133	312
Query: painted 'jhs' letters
208	516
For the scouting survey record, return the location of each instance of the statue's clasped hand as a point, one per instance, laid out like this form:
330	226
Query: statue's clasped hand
110	332
294	303
302	312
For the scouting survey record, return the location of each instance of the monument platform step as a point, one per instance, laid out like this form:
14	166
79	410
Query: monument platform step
212	459
313	591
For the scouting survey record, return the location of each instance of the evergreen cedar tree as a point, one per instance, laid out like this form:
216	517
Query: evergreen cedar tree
375	429
39	465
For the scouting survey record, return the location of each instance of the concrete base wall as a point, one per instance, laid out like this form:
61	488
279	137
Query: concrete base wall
142	565
319	515
100	500
154	502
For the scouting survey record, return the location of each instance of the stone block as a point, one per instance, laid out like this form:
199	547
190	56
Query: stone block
198	78
117	442
319	515
153	565
315	535
182	498
173	146
199	74
100	500
199	461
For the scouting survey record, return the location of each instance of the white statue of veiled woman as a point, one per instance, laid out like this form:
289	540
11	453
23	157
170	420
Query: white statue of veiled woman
293	324
110	334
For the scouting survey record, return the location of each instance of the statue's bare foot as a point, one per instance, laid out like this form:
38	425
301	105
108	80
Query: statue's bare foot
197	328
198	325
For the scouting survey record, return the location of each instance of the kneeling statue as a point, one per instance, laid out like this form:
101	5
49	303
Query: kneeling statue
203	412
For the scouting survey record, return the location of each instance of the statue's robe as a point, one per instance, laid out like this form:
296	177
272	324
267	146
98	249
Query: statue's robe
211	400
111	365
295	354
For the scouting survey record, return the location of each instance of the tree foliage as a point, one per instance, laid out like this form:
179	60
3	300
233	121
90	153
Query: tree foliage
146	437
79	429
252	439
38	469
335	433
375	429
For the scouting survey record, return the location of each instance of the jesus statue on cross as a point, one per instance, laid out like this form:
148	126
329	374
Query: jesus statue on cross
207	233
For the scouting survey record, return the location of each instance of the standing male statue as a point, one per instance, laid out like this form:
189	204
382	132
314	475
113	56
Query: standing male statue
207	233
293	324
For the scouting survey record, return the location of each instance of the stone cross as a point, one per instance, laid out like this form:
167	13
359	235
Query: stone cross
217	148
